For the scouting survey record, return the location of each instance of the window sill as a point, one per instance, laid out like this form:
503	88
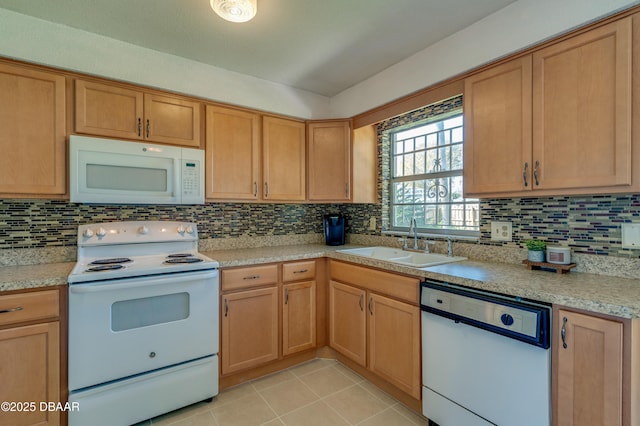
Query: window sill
433	236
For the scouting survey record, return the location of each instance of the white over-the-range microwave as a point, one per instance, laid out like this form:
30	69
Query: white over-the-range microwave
108	171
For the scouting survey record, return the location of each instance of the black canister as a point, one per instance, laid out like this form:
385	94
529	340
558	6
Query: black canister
334	225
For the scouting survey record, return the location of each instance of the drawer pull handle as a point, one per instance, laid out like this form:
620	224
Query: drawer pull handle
6	311
252	277
301	271
535	173
563	332
286	296
148	127
370	305
360	302
226	308
524	174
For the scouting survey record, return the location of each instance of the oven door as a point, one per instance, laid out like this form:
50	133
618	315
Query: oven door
119	328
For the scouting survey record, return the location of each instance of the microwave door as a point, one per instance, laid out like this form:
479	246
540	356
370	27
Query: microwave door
127	179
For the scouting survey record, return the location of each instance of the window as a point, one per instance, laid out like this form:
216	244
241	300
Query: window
426	165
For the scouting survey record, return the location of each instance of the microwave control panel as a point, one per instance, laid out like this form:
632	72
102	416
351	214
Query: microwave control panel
192	176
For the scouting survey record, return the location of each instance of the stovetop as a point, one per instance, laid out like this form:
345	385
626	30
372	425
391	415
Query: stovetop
129	249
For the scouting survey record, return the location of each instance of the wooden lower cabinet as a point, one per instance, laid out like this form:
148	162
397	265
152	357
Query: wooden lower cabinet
347	321
589	362
30	354
376	331
298	317
394	342
249	329
268	313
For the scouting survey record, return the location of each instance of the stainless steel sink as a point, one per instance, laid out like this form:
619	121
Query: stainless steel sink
402	257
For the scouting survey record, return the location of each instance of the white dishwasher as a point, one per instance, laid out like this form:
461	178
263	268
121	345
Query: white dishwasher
485	358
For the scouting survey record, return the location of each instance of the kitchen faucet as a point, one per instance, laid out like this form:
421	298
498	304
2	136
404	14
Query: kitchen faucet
412	227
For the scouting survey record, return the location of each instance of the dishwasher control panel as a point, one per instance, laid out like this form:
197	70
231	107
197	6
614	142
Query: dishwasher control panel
510	316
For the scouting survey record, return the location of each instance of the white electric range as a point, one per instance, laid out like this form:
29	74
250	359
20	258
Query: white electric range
143	322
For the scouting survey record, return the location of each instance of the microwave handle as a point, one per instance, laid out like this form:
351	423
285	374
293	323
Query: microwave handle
129	283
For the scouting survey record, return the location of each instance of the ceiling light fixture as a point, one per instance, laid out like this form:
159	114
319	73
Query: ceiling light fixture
235	10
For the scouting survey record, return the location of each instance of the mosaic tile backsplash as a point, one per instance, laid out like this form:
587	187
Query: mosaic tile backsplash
46	223
587	224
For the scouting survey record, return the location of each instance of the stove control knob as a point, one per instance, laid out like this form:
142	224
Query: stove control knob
101	232
143	230
190	230
181	229
88	233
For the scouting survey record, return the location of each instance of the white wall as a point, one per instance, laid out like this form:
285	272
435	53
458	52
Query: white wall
35	40
519	25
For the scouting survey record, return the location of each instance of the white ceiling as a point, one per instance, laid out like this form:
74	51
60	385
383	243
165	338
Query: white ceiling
322	46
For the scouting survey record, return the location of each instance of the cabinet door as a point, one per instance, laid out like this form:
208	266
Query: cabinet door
394	342
589	385
107	110
32	132
497	129
329	161
30	371
172	120
582	110
233	154
347	321
249	329
298	317
284	159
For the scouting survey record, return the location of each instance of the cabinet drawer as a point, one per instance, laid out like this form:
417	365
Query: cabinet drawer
399	286
233	279
299	271
15	308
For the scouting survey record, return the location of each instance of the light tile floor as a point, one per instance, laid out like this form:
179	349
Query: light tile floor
318	392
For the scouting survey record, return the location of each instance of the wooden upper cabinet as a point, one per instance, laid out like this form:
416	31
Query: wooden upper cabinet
556	122
119	112
32	132
232	154
364	165
582	109
329	147
108	111
497	128
283	159
172	120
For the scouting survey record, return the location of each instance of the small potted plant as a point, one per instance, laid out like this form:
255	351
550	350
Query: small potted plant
536	250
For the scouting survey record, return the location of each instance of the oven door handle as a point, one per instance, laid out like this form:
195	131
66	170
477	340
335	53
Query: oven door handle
136	282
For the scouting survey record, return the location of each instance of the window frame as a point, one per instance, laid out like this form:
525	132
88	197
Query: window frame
427	175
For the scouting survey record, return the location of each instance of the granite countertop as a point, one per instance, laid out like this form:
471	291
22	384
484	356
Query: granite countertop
34	276
596	293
